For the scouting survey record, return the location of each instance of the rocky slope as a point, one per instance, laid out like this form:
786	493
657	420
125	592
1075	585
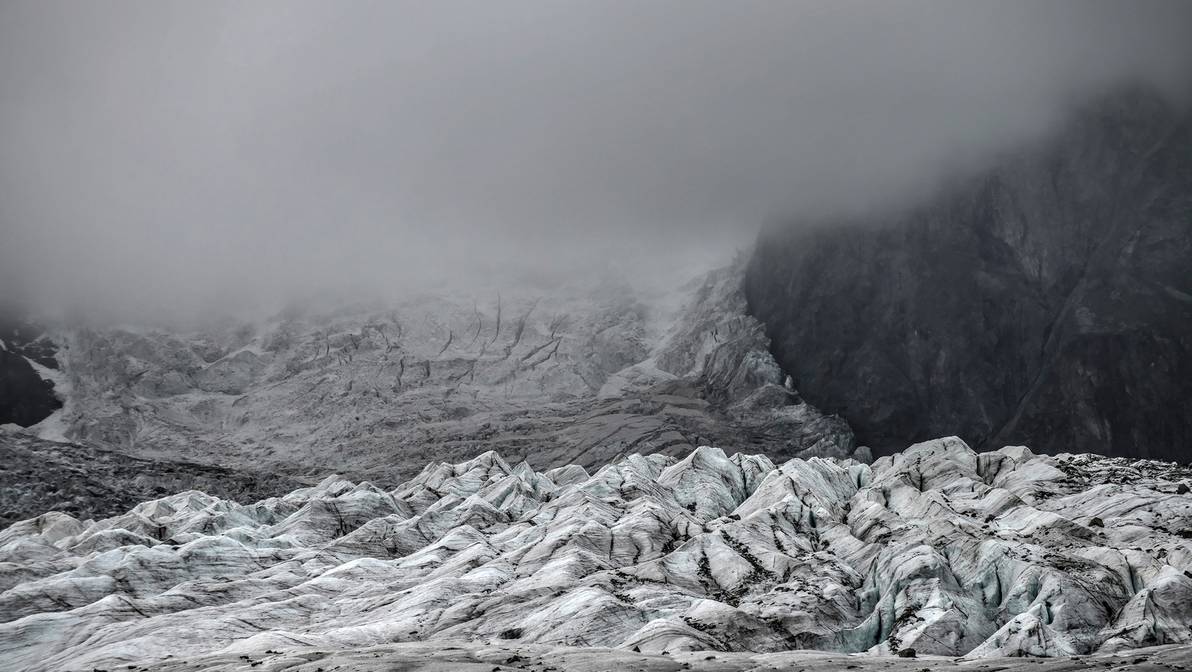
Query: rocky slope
90	482
938	549
551	375
1046	301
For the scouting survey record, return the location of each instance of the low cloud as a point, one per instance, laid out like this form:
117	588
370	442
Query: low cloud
161	157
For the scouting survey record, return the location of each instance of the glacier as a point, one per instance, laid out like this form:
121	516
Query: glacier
572	373
703	560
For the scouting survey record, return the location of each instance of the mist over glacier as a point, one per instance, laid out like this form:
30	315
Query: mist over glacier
586	335
172	159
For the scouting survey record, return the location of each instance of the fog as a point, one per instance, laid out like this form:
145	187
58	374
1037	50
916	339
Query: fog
162	158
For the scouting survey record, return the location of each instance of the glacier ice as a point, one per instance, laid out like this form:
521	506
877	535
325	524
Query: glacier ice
938	549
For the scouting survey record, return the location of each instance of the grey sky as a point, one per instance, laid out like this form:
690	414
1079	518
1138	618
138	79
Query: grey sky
161	156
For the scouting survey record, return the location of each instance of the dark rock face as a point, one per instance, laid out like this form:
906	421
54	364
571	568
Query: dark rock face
25	398
1046	302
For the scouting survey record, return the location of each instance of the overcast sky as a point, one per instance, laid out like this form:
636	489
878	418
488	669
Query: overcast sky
157	156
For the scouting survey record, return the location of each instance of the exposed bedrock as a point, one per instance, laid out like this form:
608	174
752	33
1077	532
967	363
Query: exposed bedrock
1045	301
26	396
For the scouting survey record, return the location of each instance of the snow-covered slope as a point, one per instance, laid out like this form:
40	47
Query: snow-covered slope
937	549
552	375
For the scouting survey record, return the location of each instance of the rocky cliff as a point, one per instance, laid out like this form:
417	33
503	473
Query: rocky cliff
26	353
1047	300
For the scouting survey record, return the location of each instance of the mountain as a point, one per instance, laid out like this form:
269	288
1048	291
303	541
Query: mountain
938	550
1046	301
576	373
